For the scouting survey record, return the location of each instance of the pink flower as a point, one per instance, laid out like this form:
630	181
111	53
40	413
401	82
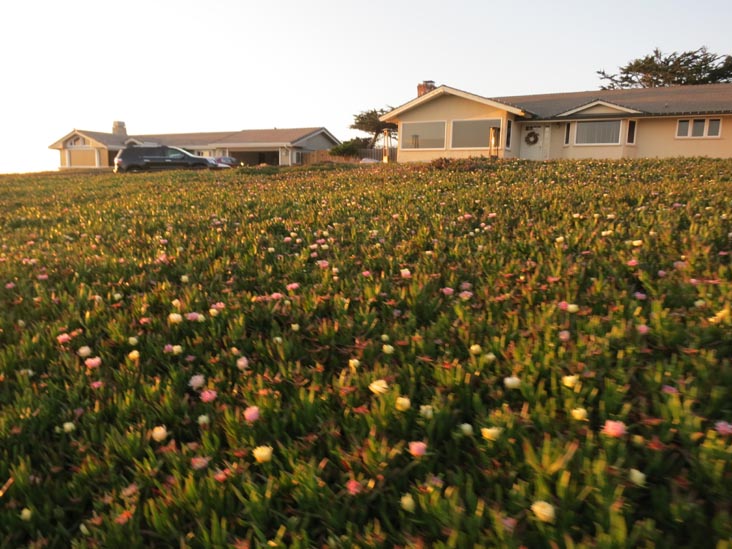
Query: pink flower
563	305
667	389
292	286
220	306
447	291
366	273
724	428
199	462
661	273
354	487
63	338
193	317
93	362
9	286
209	395
97	384
276	296
640	296
221	476
168	348
251	414
417	448
43	276
632	263
614	429
643	329
564	336
323	264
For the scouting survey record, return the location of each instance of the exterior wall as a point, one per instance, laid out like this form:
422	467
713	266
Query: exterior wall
656	137
82	158
601	109
316	143
449	108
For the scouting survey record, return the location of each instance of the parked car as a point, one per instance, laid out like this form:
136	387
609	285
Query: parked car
133	159
229	161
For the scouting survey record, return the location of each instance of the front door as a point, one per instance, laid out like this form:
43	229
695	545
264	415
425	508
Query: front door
533	142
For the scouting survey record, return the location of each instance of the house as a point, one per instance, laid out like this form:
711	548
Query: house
280	147
627	123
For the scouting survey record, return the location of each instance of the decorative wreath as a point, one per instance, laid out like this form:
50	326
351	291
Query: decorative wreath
532	138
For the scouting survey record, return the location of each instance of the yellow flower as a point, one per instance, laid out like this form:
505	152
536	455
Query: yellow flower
512	382
491	433
262	454
580	414
407	503
134	356
159	433
388	349
403	404
26	514
637	478
475	349
543	510
379	387
570	381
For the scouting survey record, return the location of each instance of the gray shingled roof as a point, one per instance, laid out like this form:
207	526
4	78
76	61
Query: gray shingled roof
203	139
703	99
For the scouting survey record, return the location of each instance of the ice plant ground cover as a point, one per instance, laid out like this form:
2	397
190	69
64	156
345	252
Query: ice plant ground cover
500	354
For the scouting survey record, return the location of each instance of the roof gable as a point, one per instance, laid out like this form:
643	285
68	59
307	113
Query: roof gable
598	106
446	90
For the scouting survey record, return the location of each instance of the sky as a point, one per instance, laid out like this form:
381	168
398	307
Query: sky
165	66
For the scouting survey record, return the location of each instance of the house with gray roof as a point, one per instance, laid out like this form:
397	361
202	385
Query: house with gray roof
279	146
626	123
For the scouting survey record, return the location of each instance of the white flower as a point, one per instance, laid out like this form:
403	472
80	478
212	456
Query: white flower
197	381
466	429
637	478
84	351
489	357
426	411
242	363
388	349
184	279
69	427
512	382
203	420
572	308
132	340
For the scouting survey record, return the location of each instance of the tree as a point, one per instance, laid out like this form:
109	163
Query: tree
350	147
368	122
657	70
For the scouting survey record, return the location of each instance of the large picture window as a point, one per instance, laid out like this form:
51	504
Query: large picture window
476	134
698	127
603	132
422	135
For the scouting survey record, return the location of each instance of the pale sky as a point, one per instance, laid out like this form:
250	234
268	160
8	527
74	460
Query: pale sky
165	66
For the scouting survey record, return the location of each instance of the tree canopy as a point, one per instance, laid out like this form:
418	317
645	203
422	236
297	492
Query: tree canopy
368	122
657	69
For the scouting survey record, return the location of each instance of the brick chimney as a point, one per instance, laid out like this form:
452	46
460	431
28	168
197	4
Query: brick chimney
425	87
118	128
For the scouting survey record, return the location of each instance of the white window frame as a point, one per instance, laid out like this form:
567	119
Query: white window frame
452	134
616	144
689	131
402	139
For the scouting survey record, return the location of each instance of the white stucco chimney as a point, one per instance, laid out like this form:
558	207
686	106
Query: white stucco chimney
118	128
425	87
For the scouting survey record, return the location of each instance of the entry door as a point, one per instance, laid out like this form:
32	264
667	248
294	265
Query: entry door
533	142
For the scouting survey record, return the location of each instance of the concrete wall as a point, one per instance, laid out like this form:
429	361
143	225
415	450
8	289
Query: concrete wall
447	109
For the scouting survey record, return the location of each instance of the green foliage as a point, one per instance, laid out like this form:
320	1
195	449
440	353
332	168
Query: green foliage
552	344
698	66
368	122
351	147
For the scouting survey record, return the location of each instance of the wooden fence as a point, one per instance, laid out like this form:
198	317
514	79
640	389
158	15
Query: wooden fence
316	157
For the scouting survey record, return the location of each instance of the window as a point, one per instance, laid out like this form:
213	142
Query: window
605	132
476	134
699	127
566	133
423	135
77	141
509	126
631	132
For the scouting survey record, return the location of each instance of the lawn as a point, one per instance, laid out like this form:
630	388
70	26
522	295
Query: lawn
461	354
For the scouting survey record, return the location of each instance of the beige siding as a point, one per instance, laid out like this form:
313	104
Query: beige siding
83	158
656	137
601	109
447	109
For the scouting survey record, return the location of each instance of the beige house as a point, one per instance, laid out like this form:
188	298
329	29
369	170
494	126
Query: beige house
279	147
629	123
